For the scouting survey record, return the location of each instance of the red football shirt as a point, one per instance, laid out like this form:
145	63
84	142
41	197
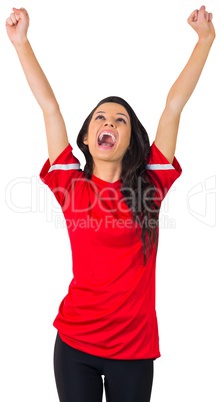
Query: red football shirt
109	310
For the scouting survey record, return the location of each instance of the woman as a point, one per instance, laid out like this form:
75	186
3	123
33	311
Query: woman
107	323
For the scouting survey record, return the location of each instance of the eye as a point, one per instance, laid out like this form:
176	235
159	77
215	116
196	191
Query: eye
100	116
122	120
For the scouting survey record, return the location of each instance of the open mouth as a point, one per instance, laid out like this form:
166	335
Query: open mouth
106	140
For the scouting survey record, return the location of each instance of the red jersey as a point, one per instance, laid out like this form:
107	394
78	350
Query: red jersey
109	310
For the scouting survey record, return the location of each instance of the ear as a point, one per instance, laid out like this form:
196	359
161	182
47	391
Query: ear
85	140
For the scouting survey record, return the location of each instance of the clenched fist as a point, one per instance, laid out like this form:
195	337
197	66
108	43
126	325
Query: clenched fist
201	21
17	25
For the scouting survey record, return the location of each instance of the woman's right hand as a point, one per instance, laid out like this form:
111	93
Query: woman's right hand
17	25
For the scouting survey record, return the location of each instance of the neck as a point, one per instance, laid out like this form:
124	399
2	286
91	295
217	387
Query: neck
107	171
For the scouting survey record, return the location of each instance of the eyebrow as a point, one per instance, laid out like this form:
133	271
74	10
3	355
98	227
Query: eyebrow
122	114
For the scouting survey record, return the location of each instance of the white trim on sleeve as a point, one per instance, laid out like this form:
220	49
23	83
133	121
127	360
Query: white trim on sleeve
158	166
68	166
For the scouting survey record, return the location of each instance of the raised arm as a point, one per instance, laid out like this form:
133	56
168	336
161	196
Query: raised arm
17	27
166	136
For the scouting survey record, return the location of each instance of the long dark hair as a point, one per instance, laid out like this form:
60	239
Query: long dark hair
134	175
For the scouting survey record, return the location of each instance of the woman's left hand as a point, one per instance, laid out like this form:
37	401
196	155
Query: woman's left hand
201	21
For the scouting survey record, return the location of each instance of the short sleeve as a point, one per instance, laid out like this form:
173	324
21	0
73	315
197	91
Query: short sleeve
162	173
60	176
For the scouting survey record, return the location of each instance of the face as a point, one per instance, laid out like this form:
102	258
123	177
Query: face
109	133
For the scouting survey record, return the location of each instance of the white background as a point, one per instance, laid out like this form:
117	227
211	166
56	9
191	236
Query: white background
90	50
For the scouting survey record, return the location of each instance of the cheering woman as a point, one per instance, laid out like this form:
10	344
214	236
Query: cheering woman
106	324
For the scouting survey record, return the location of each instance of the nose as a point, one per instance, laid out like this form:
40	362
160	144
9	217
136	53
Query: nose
110	124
